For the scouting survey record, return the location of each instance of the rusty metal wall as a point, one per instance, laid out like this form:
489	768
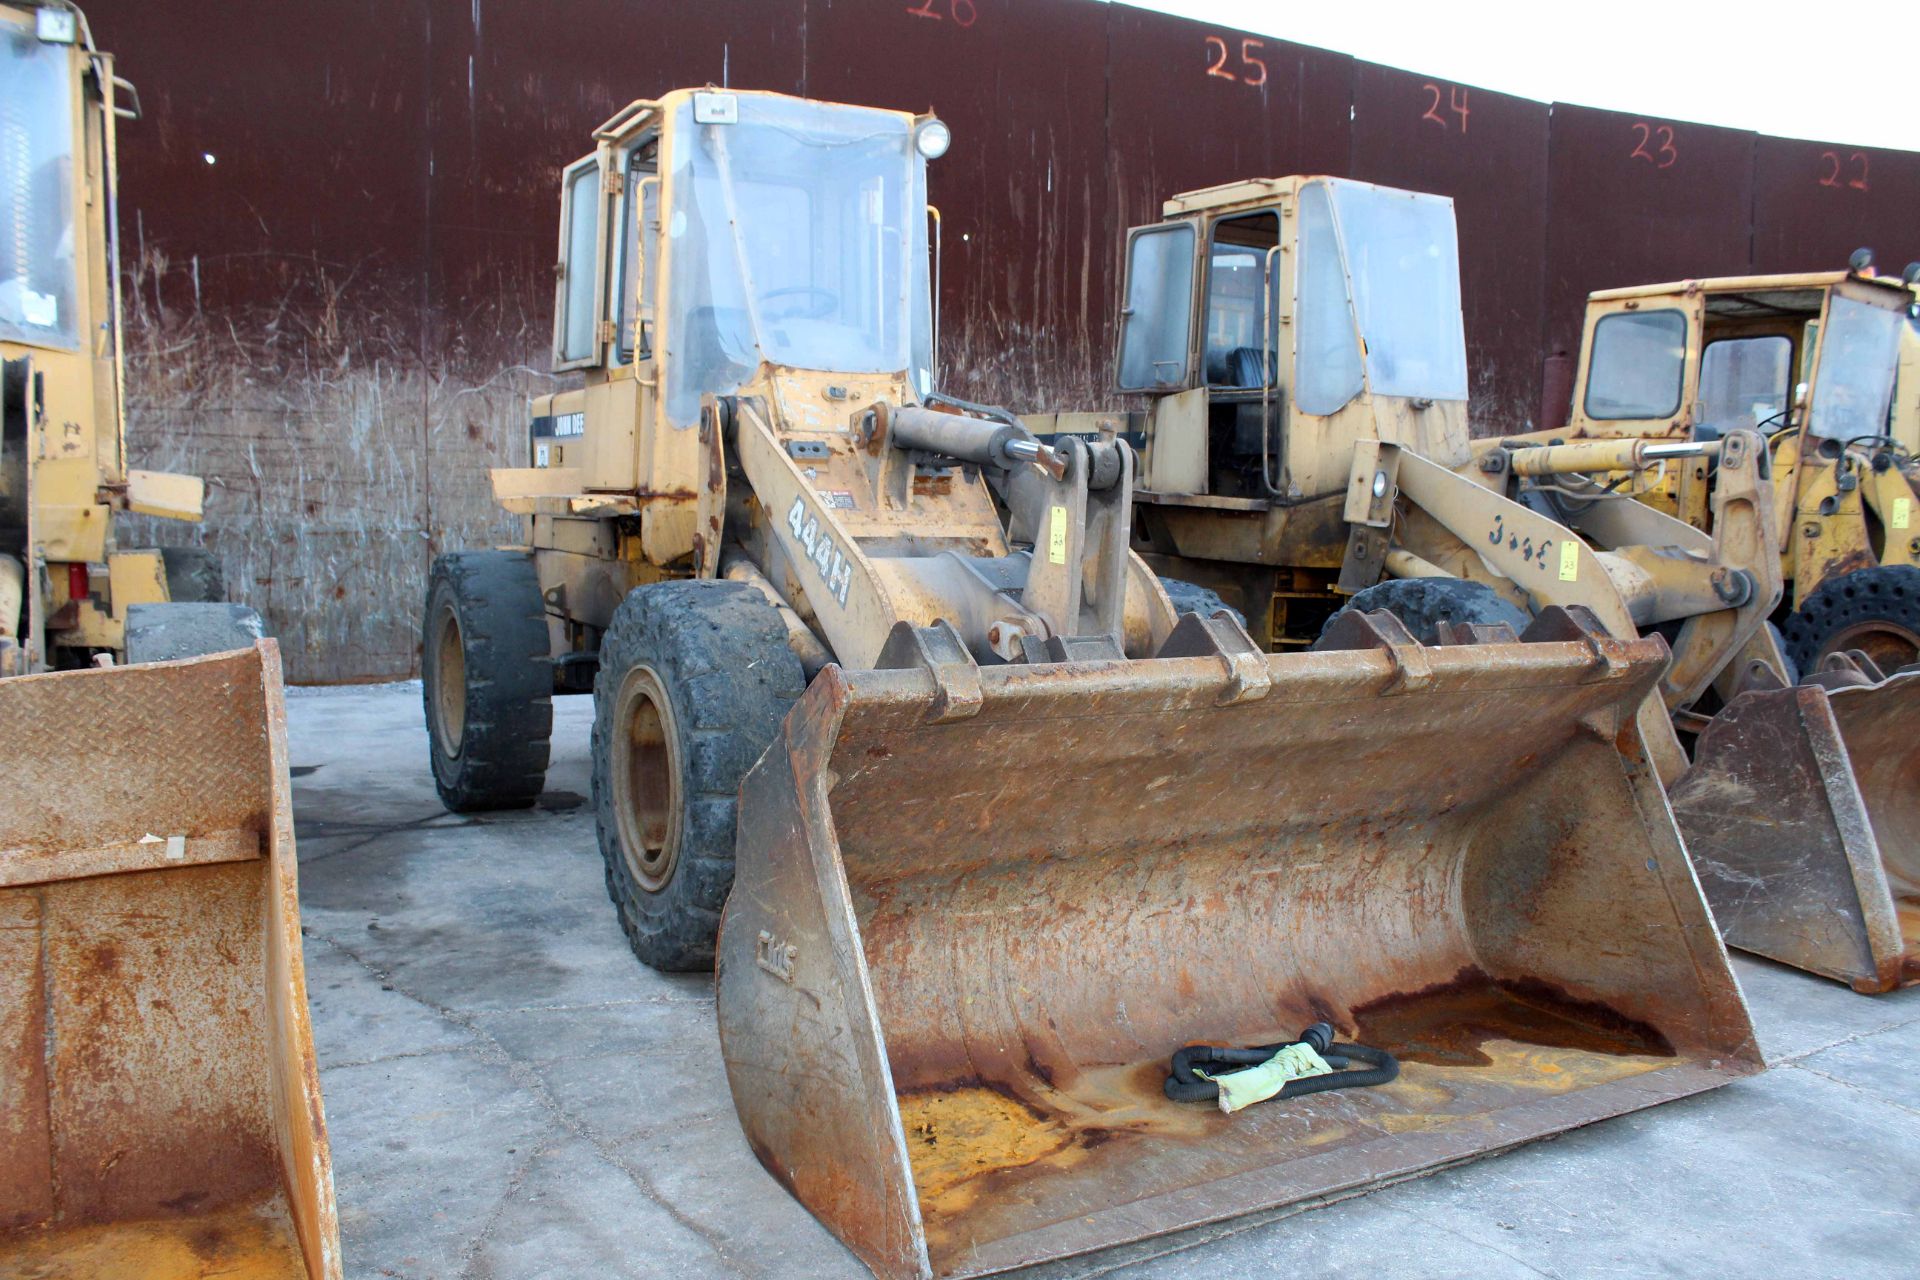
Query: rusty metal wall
1633	200
338	318
1426	134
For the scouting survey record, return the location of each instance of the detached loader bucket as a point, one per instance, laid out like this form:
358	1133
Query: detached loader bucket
159	1107
1802	812
975	911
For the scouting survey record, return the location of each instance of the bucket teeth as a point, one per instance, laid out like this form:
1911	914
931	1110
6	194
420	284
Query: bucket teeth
989	933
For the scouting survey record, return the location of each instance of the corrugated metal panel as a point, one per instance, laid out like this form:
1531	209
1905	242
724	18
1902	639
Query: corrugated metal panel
1022	194
1634	200
1426	134
1192	105
339	319
1814	203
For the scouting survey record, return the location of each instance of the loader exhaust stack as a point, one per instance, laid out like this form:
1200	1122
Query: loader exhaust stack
1834	887
976	909
159	1105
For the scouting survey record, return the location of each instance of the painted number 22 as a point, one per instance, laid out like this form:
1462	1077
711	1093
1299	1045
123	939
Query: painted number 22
1660	137
1456	103
1856	170
1253	71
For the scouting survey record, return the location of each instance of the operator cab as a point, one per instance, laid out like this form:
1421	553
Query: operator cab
1254	306
1817	354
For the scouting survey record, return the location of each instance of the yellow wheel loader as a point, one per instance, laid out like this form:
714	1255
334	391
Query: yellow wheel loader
983	837
1306	452
159	1104
1826	875
1827	365
69	592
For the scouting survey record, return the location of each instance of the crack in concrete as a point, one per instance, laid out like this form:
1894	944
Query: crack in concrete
373	833
528	1078
1458	1234
1793	1059
398	1057
1860	1089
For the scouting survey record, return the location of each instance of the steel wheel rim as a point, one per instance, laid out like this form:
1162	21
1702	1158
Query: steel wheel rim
1890	645
646	779
449	683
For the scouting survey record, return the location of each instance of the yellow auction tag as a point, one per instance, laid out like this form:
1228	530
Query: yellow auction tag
1569	561
1902	512
1057	536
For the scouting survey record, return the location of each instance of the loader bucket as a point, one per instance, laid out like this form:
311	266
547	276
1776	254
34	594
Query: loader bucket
159	1106
1802	812
975	911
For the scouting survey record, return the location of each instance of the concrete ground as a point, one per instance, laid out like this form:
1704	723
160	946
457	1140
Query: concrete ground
511	1095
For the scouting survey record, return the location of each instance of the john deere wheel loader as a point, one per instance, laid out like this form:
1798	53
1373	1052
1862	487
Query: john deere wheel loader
987	832
159	1105
1306	451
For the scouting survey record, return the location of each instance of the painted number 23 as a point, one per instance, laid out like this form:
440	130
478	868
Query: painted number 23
1253	71
1660	139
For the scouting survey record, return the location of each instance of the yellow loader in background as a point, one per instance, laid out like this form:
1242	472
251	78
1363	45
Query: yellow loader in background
893	729
1827	874
1827	366
159	1104
69	593
1306	453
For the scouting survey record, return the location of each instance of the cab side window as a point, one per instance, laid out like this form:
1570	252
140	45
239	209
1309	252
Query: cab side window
1638	365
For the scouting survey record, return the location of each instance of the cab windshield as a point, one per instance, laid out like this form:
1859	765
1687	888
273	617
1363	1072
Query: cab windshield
1859	358
796	235
1379	290
37	277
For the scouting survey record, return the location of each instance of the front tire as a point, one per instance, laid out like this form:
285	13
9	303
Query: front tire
1422	604
486	680
695	678
1189	597
1875	610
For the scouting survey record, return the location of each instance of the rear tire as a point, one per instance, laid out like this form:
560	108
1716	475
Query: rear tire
486	680
193	575
1422	604
1189	597
695	678
1876	610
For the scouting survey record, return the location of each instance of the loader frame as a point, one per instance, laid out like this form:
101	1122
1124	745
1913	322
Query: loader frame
66	584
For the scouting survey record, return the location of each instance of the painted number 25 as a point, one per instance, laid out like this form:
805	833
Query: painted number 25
1253	71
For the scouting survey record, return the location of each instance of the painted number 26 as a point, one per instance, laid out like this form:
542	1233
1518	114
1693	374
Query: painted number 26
961	12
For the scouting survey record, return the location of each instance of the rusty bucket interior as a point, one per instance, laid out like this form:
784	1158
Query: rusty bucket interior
160	1109
1802	812
966	934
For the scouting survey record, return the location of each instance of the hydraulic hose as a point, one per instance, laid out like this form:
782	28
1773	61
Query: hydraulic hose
1185	1083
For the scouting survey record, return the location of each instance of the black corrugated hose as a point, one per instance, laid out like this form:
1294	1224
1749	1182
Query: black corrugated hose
1185	1084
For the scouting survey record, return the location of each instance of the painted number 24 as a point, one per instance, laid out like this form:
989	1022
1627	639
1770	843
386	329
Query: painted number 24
1456	103
1253	71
